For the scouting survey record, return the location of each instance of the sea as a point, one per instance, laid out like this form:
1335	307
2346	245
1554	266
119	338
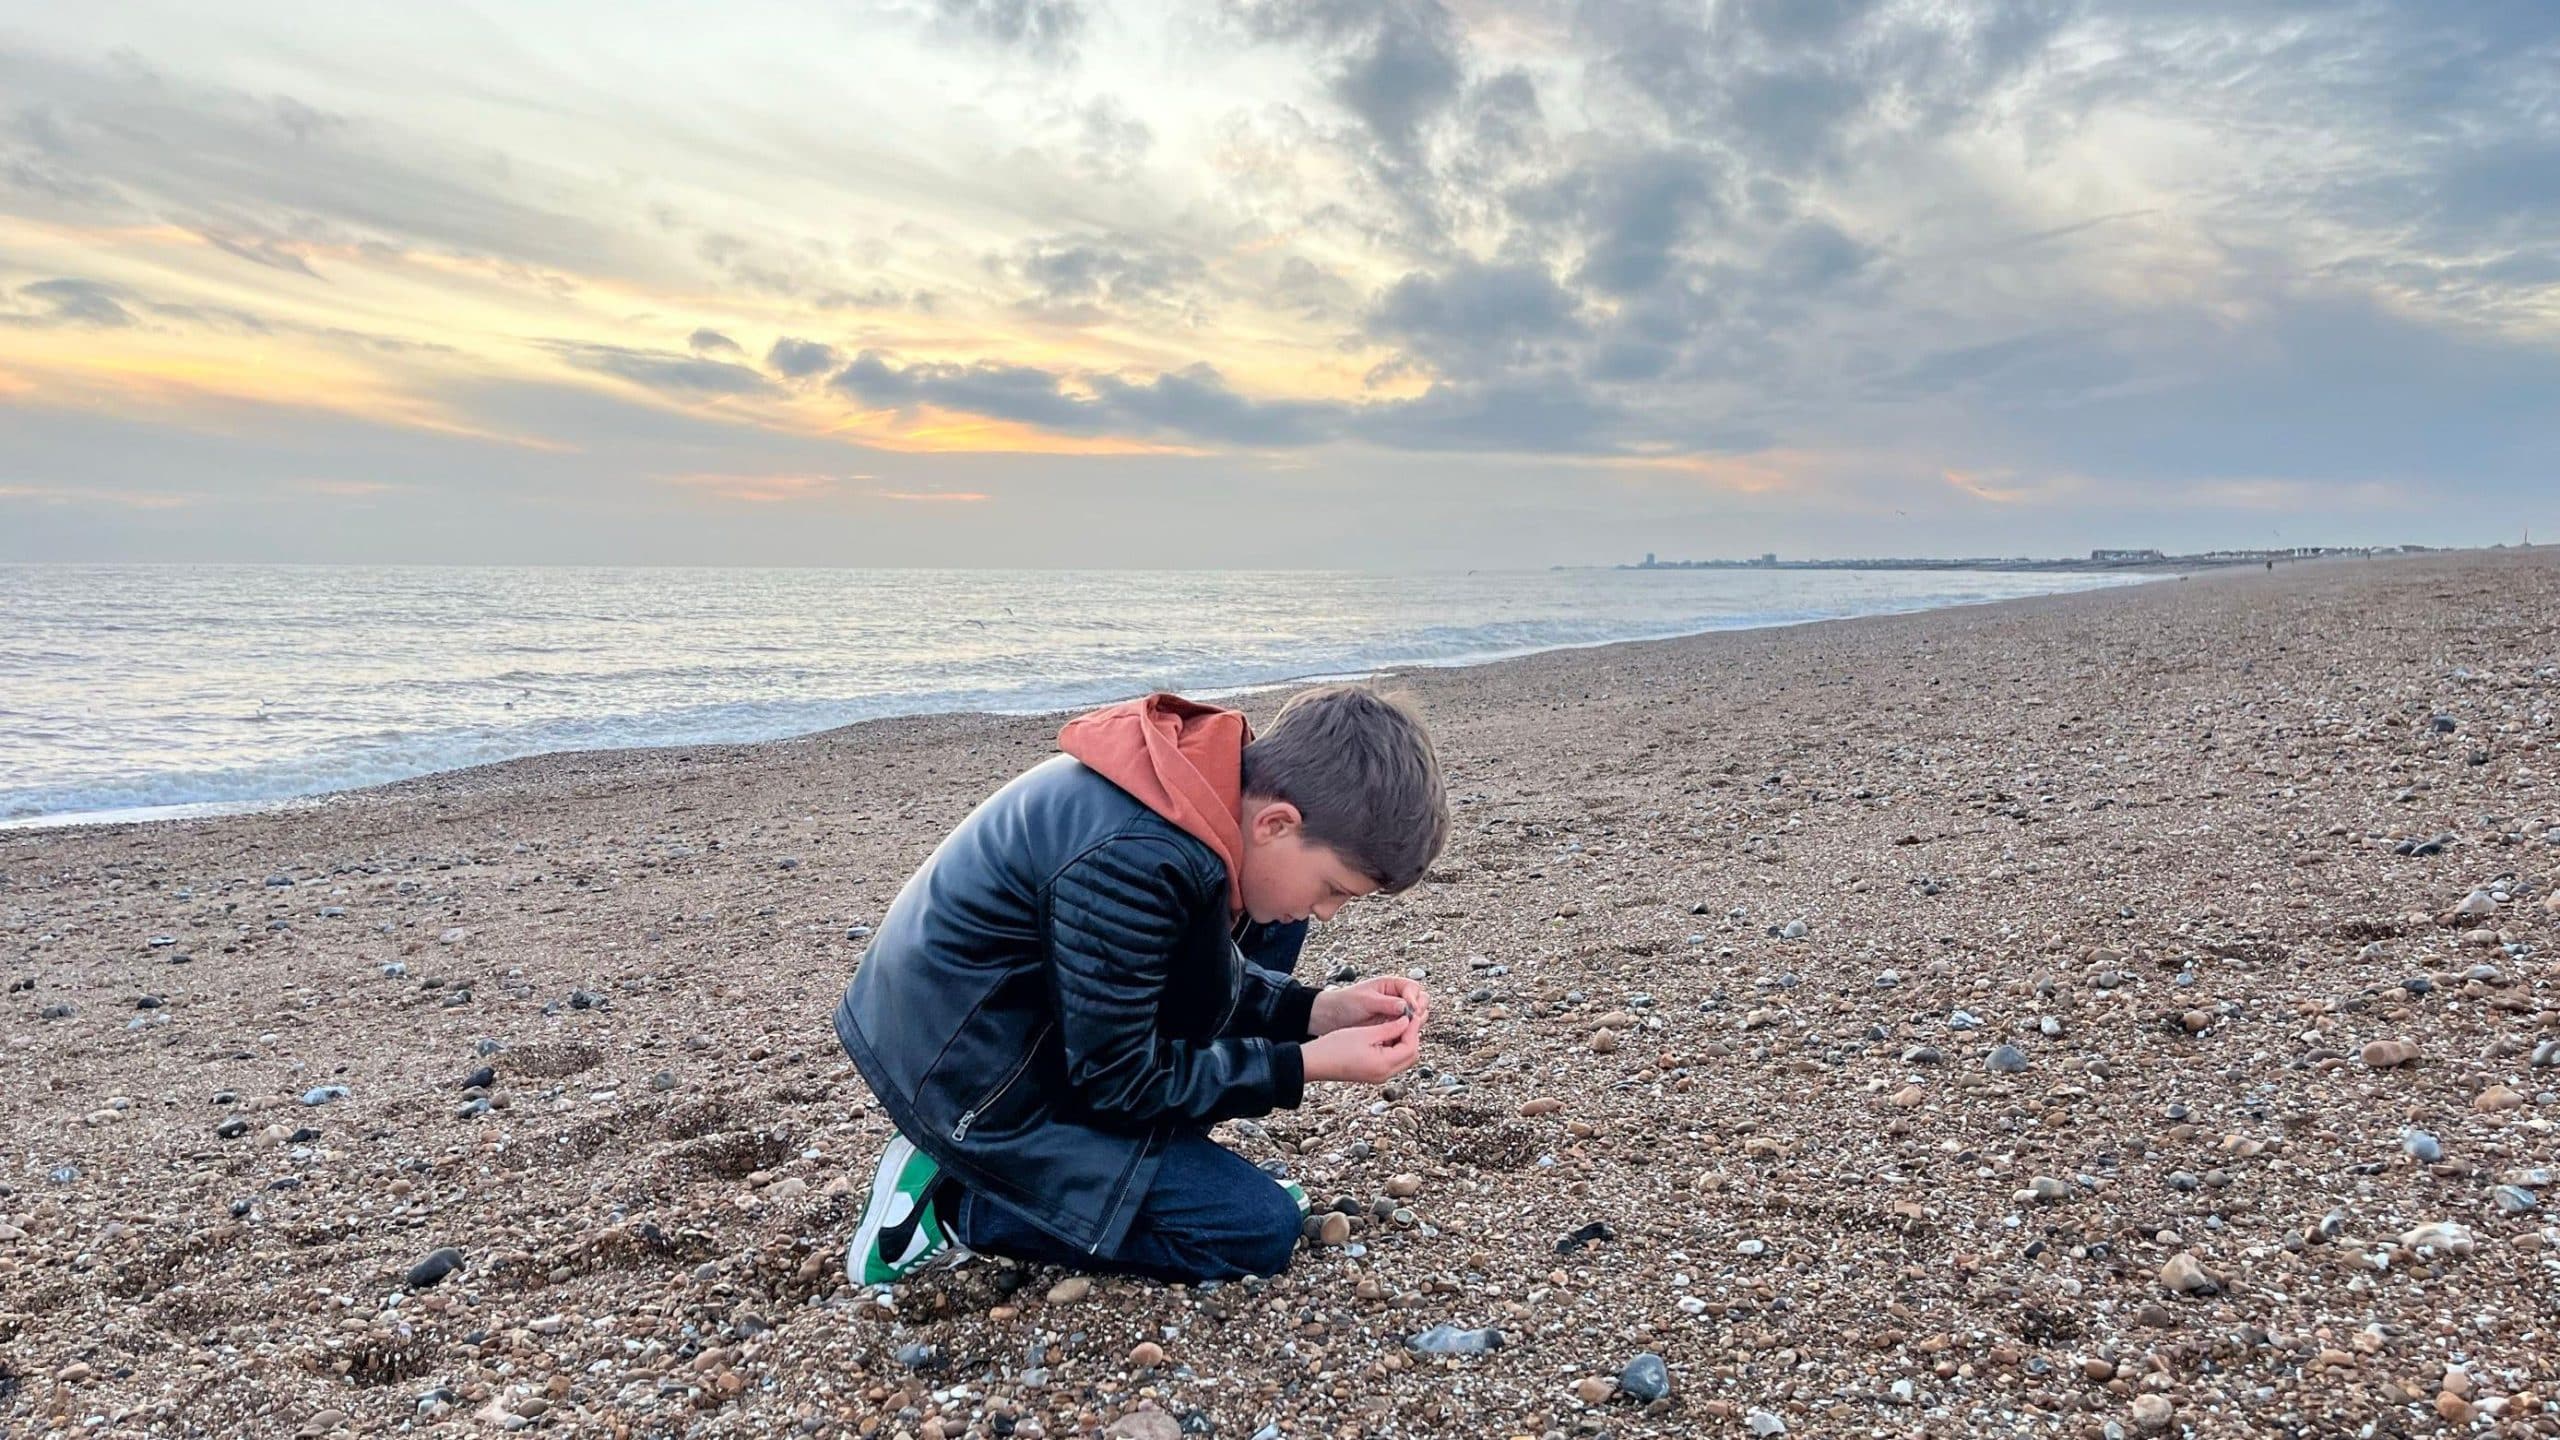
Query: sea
146	691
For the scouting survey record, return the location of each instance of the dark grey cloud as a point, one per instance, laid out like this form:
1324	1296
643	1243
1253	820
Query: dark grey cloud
1196	402
707	341
800	359
666	371
1044	29
1549	413
67	302
1793	85
1396	63
1474	316
1192	404
1086	279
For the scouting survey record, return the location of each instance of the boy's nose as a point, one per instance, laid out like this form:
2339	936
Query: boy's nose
1325	910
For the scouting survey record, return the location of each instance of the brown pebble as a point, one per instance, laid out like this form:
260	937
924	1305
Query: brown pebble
2453	1407
2495	1099
1604	1042
1543	1105
1404	1187
2385	1054
1146	1355
1594	1389
1333	1229
1070	1290
2186	1275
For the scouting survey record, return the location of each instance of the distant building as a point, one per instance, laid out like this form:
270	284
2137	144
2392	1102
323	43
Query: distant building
1648	559
1770	558
2124	557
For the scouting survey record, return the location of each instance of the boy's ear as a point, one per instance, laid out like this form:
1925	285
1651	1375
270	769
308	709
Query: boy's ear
1275	819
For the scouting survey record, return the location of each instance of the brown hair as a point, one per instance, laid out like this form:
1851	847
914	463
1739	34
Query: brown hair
1360	768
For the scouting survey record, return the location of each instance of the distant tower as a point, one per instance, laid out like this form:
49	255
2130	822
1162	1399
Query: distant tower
1648	559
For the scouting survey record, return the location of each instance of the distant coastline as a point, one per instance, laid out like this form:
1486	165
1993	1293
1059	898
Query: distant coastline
2097	561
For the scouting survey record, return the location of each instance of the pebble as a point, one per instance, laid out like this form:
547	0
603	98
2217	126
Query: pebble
2006	1060
1646	1379
323	1094
2513	1200
1142	1425
1404	1187
1146	1355
1070	1290
2385	1054
1448	1339
1604	1042
437	1265
2186	1275
2443	1235
2422	1147
1764	1424
1333	1229
2151	1412
480	1079
2496	1100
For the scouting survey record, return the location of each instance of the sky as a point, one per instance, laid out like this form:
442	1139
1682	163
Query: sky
1273	283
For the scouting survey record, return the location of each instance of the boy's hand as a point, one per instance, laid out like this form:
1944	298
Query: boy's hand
1389	997
1364	1054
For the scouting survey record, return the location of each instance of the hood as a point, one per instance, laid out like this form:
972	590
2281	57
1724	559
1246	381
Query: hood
1181	759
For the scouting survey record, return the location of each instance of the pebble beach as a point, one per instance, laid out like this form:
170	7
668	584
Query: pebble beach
2132	1012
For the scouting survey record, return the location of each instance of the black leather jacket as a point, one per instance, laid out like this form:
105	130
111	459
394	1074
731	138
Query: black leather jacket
1057	991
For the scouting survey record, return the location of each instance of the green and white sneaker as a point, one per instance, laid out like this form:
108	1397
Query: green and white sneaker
899	1229
1298	1193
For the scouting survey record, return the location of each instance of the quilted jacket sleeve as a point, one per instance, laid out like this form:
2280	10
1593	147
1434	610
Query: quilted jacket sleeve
1115	919
1275	1006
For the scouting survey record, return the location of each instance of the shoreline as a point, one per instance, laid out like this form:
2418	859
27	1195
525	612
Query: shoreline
2078	1093
199	810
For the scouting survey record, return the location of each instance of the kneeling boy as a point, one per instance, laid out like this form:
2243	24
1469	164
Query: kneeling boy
1092	970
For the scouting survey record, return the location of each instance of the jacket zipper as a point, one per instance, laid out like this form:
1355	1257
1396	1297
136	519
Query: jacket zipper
960	1128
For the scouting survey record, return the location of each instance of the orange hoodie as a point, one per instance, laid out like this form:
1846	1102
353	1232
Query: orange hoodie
1181	759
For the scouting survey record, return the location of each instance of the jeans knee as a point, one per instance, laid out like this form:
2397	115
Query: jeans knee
1268	1247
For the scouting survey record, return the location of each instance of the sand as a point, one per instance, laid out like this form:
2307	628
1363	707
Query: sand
1804	881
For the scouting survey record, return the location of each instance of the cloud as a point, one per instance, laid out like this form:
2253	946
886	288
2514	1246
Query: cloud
708	342
1192	404
1521	414
665	371
67	302
269	251
933	497
1397	63
269	179
1043	29
1087	279
1474	316
800	359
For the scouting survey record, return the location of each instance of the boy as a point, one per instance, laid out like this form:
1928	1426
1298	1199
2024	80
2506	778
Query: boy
1092	970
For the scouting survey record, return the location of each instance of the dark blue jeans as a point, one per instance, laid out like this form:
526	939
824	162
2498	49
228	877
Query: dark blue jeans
1211	1215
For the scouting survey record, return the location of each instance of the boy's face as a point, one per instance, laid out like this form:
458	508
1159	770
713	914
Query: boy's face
1289	877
